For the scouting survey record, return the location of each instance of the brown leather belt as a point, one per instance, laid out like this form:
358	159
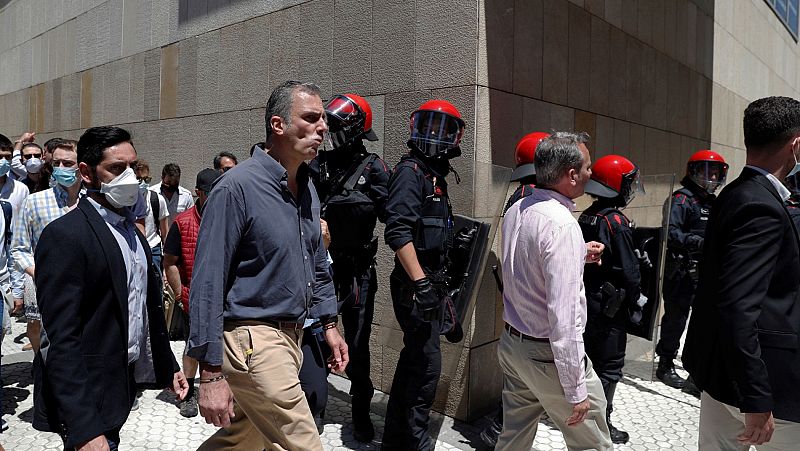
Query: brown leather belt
515	333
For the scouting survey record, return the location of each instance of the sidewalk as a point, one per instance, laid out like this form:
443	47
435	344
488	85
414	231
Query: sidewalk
656	416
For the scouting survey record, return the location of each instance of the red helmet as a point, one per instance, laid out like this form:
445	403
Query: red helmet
613	176
707	169
436	129
349	118
523	155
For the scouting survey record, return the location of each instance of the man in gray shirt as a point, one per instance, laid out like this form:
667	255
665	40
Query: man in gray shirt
260	269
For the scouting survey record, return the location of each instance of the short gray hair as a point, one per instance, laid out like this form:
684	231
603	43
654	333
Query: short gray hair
280	101
556	155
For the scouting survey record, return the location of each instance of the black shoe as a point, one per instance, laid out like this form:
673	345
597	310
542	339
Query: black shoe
491	433
188	407
617	436
666	373
690	389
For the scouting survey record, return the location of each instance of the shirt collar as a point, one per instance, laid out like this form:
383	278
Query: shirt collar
112	217
545	194
782	190
276	171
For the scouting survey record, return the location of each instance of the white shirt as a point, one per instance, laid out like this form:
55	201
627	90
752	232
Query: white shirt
543	295
150	226
181	201
782	190
14	192
136	268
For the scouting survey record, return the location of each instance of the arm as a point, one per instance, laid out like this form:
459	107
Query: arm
60	295
379	187
173	275
678	215
17	166
747	256
402	213
21	248
563	260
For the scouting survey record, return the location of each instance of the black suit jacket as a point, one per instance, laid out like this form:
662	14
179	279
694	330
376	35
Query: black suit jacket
742	343
83	385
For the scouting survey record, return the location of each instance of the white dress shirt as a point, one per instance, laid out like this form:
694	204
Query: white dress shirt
543	295
136	268
782	190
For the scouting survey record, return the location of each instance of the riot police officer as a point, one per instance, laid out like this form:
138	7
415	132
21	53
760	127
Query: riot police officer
525	174
690	207
419	228
353	185
613	292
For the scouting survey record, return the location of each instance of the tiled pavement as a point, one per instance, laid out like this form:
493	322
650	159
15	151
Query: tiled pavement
656	416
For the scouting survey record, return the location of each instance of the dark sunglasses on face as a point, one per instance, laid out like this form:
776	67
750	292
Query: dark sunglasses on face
32	155
147	179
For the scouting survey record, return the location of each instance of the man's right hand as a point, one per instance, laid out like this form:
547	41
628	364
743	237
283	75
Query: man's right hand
215	400
98	443
758	428
579	412
427	299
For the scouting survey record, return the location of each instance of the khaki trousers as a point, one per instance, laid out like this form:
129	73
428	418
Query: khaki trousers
721	423
531	387
262	364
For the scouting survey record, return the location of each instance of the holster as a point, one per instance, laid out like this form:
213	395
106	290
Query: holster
612	299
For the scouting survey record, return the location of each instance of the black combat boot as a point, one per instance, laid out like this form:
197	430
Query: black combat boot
491	433
617	436
363	431
666	373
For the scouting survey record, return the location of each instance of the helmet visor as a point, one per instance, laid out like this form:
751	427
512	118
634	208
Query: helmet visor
436	128
632	186
345	120
708	175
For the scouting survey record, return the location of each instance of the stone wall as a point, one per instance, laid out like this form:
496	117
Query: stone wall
652	80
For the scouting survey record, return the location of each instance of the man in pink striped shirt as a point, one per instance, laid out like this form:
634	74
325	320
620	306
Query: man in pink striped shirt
541	351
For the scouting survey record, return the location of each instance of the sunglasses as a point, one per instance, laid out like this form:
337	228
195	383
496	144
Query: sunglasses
32	155
147	179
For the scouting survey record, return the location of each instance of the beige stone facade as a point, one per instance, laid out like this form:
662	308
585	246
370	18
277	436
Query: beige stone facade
650	79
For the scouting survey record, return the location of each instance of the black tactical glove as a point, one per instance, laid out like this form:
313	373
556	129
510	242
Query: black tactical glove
644	258
427	299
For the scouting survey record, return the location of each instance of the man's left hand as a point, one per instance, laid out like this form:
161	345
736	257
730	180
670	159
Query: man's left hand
180	386
339	357
326	233
19	304
758	428
594	250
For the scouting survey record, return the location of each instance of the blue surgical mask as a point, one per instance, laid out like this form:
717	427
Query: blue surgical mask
5	166
65	177
143	187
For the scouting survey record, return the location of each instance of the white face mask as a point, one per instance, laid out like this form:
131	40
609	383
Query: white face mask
33	165
123	191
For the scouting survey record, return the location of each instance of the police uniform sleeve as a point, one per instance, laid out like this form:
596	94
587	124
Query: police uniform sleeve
379	186
625	262
403	205
678	217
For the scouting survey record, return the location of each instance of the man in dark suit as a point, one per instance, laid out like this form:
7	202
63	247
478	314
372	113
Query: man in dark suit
742	347
103	327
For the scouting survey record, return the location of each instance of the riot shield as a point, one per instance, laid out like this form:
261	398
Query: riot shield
649	234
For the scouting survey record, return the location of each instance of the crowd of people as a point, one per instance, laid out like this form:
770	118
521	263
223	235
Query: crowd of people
267	255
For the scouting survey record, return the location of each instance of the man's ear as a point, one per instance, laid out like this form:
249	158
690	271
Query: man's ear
573	176
277	124
85	172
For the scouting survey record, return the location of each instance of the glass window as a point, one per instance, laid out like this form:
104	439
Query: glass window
786	10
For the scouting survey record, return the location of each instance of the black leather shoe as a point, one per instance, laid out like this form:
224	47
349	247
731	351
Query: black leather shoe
690	389
491	433
666	373
617	436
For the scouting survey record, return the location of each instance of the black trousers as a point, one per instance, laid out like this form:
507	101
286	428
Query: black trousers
415	378
678	297
356	285
314	371
605	344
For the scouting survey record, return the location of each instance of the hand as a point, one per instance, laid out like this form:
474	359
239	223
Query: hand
579	412
758	428
215	400
180	386
19	304
644	258
339	357
98	443
427	299
326	234
594	250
